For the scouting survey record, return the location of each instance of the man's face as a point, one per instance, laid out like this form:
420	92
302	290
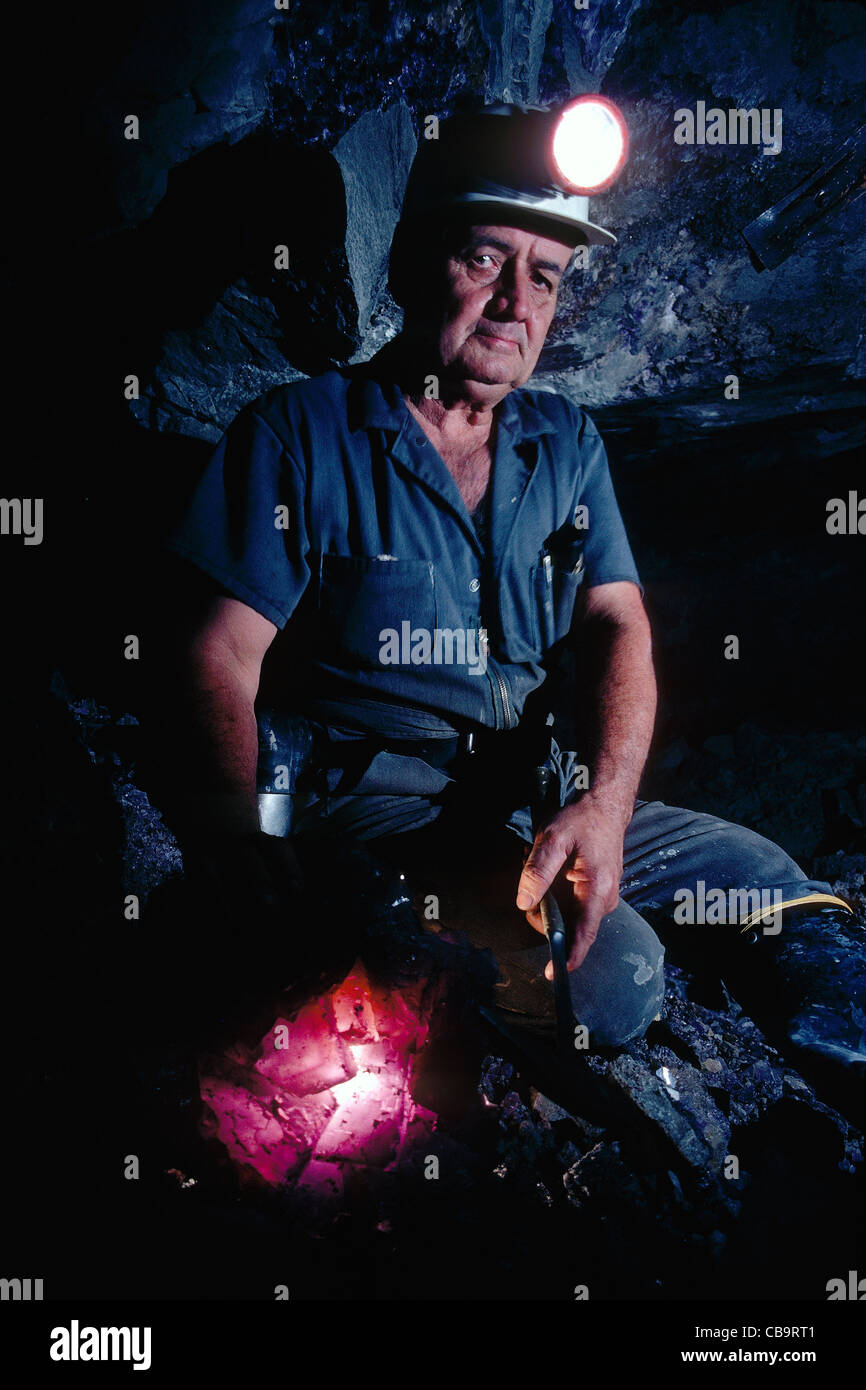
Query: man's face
501	289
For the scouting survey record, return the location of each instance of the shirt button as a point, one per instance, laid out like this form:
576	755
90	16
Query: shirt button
474	585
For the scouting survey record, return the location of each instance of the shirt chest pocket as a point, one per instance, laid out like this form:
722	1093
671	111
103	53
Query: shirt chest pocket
554	591
364	600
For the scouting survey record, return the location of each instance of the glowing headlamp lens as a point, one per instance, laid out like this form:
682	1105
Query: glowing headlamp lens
590	144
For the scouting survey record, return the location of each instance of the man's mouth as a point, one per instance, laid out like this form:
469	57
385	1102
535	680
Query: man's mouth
497	339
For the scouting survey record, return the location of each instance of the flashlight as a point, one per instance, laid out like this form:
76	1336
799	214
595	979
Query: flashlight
589	145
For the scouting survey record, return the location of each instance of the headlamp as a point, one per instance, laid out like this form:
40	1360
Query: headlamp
508	160
589	145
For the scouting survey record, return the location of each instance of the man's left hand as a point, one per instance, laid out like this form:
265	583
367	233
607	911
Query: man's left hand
586	839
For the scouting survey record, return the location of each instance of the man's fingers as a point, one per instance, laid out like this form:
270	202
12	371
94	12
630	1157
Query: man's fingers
583	918
583	939
531	889
594	892
608	893
533	917
543	864
591	909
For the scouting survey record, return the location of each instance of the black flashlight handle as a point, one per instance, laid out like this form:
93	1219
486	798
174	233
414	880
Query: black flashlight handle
554	926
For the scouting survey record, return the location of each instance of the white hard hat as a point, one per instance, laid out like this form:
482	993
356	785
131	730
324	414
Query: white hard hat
539	162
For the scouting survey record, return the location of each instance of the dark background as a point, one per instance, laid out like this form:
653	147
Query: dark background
155	257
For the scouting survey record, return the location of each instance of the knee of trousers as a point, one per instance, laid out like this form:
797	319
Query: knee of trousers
620	987
739	856
694	845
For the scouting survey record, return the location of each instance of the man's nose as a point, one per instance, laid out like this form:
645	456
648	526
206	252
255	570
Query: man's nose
511	294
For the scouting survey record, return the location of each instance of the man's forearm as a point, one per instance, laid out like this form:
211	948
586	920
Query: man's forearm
211	739
622	705
219	730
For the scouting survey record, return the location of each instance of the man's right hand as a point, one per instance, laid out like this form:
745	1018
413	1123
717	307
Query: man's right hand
247	875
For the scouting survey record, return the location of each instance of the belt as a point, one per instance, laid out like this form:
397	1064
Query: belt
436	752
473	753
486	759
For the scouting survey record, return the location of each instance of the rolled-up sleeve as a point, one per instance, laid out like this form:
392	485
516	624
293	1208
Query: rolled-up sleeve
245	525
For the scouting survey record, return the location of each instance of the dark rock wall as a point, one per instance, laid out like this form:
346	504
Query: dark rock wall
234	99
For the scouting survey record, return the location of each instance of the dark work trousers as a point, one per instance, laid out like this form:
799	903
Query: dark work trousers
669	853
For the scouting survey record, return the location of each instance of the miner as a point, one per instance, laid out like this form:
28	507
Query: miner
405	568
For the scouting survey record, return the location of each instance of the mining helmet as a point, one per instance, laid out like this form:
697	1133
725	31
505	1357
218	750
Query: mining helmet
541	162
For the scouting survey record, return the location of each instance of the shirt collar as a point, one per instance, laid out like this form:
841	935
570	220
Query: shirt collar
375	404
379	404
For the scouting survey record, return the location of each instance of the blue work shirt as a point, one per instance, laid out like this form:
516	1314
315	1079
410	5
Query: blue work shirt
326	509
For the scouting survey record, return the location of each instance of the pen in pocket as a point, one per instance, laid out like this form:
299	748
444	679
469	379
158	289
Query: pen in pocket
547	570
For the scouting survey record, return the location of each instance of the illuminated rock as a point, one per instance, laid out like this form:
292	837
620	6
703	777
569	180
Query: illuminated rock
304	1120
308	1054
367	1122
253	1136
353	1007
397	1022
328	1088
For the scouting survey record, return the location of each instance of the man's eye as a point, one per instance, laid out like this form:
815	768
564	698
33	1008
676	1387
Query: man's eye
482	256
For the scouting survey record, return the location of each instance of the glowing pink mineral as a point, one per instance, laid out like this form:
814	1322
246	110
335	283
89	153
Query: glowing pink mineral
326	1092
